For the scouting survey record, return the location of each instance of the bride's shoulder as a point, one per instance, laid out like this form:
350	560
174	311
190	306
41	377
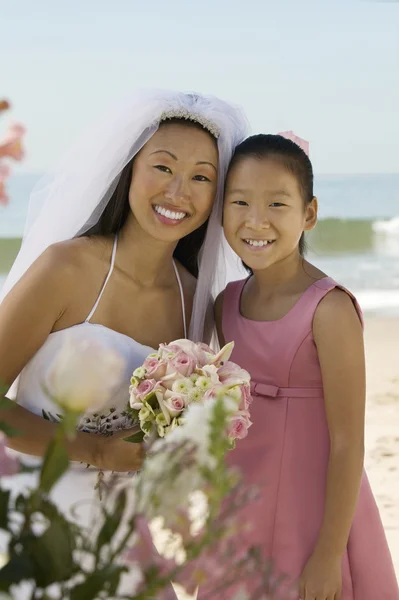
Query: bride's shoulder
73	258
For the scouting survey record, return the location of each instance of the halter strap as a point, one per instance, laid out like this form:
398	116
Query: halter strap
111	268
93	310
182	298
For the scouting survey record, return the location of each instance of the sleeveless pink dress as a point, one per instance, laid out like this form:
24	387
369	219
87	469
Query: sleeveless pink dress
287	449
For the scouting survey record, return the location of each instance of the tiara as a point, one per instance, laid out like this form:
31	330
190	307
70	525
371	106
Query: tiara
183	113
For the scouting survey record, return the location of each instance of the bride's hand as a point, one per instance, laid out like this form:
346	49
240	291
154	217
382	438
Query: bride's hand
114	454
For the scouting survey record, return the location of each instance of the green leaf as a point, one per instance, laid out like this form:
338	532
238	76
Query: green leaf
107	579
136	438
51	553
112	521
9	430
4	504
55	464
16	570
5	403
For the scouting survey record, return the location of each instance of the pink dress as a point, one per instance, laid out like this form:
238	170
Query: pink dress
287	448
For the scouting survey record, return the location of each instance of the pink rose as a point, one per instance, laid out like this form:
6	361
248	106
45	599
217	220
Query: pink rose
206	348
182	363
246	397
155	368
231	374
213	392
145	388
9	464
140	393
196	352
239	424
175	404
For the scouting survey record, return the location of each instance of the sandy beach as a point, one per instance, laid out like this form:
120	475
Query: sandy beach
382	422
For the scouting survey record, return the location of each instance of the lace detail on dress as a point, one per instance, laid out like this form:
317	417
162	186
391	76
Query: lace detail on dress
103	423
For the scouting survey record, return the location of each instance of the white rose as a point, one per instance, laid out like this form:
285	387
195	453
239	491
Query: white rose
84	375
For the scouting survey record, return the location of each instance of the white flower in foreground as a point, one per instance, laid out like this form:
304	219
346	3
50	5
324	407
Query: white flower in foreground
156	496
84	375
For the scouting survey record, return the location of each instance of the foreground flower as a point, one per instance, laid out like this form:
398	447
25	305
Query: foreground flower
239	425
4	174
11	145
84	375
4	105
9	465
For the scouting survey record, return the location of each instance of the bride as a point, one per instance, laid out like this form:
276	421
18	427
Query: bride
119	249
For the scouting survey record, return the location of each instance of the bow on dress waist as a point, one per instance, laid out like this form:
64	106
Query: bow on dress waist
273	391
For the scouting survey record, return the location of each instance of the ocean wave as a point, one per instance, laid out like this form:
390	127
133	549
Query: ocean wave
331	237
387	226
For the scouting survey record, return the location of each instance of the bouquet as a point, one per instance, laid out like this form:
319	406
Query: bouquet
183	373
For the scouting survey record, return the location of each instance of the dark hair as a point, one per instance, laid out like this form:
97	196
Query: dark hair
117	210
289	154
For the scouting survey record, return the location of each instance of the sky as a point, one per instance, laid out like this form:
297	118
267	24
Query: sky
327	69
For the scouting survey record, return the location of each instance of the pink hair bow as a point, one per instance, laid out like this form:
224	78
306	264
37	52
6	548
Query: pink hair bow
290	135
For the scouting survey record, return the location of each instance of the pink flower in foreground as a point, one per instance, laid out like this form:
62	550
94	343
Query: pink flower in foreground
239	425
4	105
144	555
4	174
212	569
11	145
9	465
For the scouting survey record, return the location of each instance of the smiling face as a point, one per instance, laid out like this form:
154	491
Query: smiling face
174	181
264	212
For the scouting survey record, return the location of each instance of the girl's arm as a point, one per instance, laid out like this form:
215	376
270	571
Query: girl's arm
338	336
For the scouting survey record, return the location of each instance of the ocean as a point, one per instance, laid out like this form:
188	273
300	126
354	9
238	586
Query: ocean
356	240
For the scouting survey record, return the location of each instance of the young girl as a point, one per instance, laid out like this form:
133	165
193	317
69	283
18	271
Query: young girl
299	334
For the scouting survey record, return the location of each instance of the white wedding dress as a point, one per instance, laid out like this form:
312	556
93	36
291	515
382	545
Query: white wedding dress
76	490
